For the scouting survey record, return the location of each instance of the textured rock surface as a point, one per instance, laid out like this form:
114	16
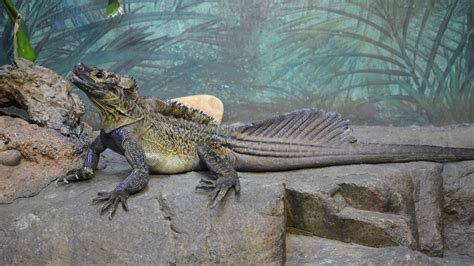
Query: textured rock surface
304	250
360	214
46	155
167	224
458	207
43	94
372	205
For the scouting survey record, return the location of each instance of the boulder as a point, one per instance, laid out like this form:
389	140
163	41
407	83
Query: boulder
168	223
43	94
45	154
305	250
404	213
458	207
371	205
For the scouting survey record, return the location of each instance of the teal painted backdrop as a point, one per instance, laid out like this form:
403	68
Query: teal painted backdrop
376	61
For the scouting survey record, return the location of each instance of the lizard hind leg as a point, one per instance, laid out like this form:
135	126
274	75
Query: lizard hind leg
223	178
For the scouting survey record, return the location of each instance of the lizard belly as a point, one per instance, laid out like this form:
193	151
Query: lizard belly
171	163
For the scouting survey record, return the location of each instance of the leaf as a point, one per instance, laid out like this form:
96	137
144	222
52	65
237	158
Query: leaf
21	45
442	29
114	8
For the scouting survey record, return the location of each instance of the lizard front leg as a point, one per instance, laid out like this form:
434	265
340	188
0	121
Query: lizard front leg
223	177
90	163
134	182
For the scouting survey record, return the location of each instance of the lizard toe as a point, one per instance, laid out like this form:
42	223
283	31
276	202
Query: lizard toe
223	186
111	201
206	185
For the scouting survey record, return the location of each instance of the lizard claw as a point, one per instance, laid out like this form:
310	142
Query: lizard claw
219	188
206	185
111	201
75	175
62	180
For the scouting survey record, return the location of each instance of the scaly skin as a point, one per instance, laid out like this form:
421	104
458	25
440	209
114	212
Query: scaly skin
156	136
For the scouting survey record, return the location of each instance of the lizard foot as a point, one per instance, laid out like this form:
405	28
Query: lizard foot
111	201
75	175
218	188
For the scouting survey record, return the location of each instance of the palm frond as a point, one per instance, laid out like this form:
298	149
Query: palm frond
375	49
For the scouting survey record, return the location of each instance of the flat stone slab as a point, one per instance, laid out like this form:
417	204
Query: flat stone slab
305	250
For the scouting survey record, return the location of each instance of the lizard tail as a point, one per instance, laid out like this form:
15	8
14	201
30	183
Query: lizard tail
314	138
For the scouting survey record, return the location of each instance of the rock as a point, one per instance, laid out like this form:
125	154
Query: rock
44	94
372	205
458	207
209	104
10	157
305	250
428	199
46	156
353	214
169	223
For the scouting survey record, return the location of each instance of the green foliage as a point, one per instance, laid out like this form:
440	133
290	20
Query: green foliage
65	34
21	45
162	46
113	8
408	56
376	61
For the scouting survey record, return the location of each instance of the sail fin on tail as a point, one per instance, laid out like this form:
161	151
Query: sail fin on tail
311	126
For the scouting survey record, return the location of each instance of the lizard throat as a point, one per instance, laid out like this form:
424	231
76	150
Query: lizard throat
112	119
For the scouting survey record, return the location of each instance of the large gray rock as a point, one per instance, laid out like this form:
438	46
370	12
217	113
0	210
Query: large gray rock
357	214
458	207
304	250
372	205
167	224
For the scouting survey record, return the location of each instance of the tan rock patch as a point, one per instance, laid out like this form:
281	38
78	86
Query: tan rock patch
46	155
209	104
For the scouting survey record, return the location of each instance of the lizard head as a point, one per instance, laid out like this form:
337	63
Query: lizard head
114	95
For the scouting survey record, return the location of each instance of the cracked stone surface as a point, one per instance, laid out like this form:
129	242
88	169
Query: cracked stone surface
167	224
407	213
45	155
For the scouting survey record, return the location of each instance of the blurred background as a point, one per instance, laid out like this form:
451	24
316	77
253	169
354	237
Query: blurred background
378	62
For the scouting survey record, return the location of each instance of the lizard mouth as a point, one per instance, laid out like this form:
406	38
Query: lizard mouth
80	78
79	75
75	78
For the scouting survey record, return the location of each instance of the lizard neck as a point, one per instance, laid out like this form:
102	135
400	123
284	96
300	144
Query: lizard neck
117	119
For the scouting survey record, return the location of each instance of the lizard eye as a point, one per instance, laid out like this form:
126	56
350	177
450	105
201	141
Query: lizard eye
99	75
